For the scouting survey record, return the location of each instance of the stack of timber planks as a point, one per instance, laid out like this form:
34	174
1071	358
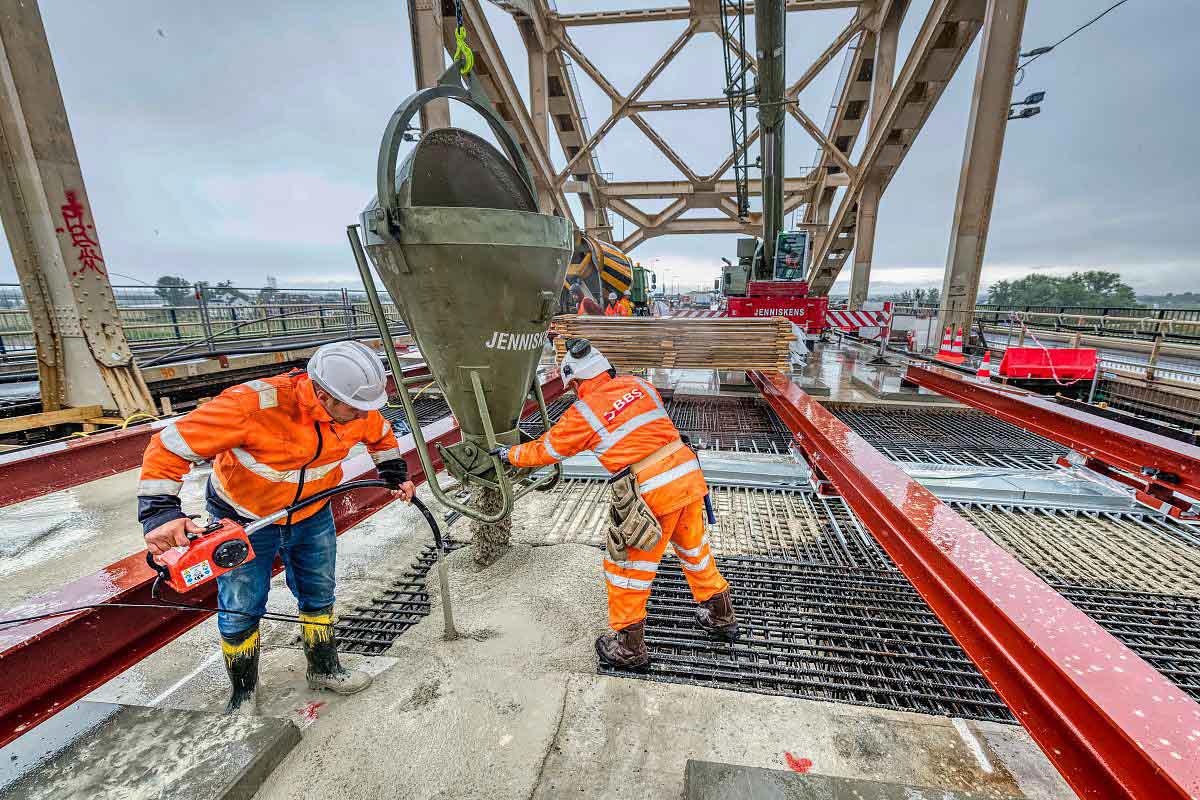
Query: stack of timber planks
683	343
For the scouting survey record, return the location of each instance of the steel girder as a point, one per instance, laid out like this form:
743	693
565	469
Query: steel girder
1159	467
1108	721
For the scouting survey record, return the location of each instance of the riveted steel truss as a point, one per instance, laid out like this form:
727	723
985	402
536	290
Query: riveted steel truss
557	61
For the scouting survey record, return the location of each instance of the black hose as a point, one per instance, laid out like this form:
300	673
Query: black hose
372	483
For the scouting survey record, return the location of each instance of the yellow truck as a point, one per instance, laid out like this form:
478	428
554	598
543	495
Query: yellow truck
601	268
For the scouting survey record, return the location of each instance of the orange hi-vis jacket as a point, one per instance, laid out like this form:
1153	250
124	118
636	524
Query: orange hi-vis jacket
622	420
271	443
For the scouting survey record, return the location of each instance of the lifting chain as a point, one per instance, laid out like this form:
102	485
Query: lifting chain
462	52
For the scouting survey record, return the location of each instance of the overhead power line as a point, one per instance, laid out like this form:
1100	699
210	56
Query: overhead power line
1035	54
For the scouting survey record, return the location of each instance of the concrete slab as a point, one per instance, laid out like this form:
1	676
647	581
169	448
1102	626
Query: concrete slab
707	780
102	750
617	734
515	709
473	717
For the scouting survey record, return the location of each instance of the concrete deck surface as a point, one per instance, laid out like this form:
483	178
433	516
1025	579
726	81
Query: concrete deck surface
515	709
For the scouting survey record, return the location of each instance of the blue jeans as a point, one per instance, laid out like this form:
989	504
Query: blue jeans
309	555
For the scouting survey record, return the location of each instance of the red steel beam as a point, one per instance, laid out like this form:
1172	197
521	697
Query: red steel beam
49	664
37	471
1108	721
1141	453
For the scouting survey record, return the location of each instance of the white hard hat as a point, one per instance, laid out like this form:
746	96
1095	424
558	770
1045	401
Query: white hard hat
582	361
612	295
627	293
351	372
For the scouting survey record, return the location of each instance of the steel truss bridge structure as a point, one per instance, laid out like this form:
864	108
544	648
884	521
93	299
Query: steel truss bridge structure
998	606
885	107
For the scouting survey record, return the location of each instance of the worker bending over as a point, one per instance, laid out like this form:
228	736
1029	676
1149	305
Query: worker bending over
585	306
274	442
657	494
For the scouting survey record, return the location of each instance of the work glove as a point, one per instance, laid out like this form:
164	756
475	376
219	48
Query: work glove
502	452
394	471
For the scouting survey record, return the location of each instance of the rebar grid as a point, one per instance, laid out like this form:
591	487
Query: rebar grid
736	424
838	634
1103	550
531	424
780	523
967	438
429	408
371	628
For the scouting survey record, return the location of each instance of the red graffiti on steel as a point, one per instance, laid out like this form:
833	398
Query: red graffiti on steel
87	249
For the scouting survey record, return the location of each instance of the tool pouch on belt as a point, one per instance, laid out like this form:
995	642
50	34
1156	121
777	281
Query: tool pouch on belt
631	523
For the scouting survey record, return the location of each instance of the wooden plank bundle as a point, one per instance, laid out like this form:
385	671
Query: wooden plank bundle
683	343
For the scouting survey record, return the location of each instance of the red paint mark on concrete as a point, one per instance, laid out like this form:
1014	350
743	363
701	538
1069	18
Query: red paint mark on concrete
309	711
800	765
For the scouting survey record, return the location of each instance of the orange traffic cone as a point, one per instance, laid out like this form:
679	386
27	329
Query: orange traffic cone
946	347
958	341
985	367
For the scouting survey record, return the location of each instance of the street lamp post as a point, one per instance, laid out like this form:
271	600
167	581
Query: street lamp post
1030	106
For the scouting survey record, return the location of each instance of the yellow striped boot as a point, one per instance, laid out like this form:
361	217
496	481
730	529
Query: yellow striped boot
320	648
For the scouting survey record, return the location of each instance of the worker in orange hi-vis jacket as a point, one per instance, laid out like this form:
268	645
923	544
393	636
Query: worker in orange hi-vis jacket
658	493
273	442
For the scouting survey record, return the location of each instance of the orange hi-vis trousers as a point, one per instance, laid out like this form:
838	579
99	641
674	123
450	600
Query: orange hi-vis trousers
628	582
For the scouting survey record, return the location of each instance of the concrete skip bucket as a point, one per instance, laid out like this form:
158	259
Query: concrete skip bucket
475	271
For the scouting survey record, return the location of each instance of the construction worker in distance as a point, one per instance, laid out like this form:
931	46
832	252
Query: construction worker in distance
274	442
655	477
614	307
586	306
627	304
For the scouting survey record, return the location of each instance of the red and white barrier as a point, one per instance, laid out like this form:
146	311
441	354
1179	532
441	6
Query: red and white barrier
697	312
853	320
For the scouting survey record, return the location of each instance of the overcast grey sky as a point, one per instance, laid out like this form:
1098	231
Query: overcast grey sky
232	140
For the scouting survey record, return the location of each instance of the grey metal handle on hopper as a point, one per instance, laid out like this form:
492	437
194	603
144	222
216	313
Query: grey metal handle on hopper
450	87
389	348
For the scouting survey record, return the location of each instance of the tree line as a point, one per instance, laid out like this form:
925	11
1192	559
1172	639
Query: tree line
1088	289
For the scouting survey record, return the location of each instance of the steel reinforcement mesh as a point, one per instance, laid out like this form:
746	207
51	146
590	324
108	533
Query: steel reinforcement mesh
818	632
968	438
729	423
738	424
429	408
532	424
370	629
801	564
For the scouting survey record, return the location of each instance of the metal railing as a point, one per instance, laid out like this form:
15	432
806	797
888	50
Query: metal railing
1174	325
155	318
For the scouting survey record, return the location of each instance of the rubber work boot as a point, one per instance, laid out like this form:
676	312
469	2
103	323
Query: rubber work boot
625	649
716	616
241	662
320	648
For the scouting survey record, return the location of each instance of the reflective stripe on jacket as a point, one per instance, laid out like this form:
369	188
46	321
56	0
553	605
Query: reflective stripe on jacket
264	437
622	420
